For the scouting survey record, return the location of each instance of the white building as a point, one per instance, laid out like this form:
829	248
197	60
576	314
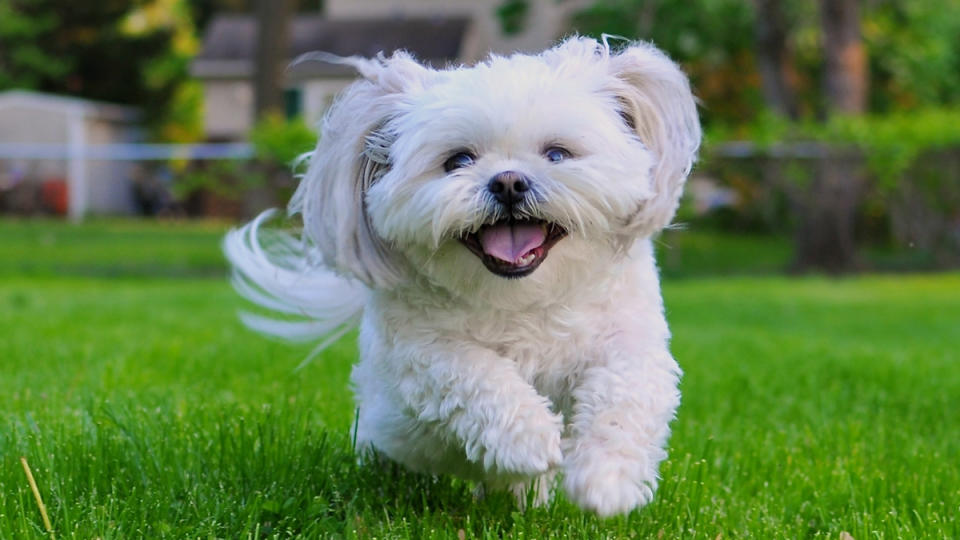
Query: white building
43	141
543	22
439	32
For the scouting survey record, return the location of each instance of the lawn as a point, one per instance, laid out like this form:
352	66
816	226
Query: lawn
811	406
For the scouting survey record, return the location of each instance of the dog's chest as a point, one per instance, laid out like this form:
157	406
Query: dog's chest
550	348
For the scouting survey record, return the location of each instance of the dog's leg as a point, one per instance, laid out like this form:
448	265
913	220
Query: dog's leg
534	493
467	396
620	425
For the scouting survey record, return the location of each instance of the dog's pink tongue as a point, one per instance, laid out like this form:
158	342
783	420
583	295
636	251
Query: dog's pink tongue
510	242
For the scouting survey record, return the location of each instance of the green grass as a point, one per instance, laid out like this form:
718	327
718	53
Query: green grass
811	407
111	248
126	248
696	253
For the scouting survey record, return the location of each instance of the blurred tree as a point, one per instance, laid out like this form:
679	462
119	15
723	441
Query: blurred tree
774	56
845	60
24	62
125	51
167	72
273	35
713	39
914	53
797	58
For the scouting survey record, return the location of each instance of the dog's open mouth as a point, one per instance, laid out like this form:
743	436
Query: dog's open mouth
513	249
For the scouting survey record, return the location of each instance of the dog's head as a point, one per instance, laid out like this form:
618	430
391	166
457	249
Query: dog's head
535	167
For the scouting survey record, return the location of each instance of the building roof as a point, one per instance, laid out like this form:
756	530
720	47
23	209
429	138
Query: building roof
68	105
229	43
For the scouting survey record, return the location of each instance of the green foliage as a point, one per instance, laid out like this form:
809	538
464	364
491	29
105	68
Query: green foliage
716	56
277	145
687	30
914	53
133	52
24	62
513	15
229	179
905	174
166	73
766	129
281	142
182	119
912	47
891	143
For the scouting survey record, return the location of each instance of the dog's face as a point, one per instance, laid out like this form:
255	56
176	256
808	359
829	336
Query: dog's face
538	169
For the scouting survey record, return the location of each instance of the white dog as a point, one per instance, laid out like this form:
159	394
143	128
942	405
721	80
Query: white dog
489	228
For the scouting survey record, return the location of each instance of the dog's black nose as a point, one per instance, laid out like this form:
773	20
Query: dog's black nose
509	187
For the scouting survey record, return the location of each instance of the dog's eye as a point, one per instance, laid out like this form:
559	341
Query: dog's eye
458	161
556	154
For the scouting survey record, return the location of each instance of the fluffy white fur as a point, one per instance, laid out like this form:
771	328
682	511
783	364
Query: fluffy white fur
462	371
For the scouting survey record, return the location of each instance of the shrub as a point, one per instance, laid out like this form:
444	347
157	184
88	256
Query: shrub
249	186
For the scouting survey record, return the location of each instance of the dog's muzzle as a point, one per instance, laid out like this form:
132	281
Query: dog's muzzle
513	248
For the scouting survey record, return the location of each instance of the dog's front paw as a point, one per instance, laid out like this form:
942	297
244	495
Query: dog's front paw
611	480
529	446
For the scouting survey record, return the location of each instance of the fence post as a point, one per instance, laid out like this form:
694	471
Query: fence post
76	166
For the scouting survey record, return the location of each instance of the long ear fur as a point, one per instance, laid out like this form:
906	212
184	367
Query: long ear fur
660	107
352	154
277	270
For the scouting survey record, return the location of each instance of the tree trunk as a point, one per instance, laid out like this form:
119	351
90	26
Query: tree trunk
827	207
273	38
845	76
827	213
773	57
272	55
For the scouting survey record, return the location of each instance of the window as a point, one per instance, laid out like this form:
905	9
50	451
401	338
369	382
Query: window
293	102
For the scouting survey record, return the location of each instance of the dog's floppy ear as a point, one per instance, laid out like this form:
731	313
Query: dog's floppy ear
657	103
351	155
